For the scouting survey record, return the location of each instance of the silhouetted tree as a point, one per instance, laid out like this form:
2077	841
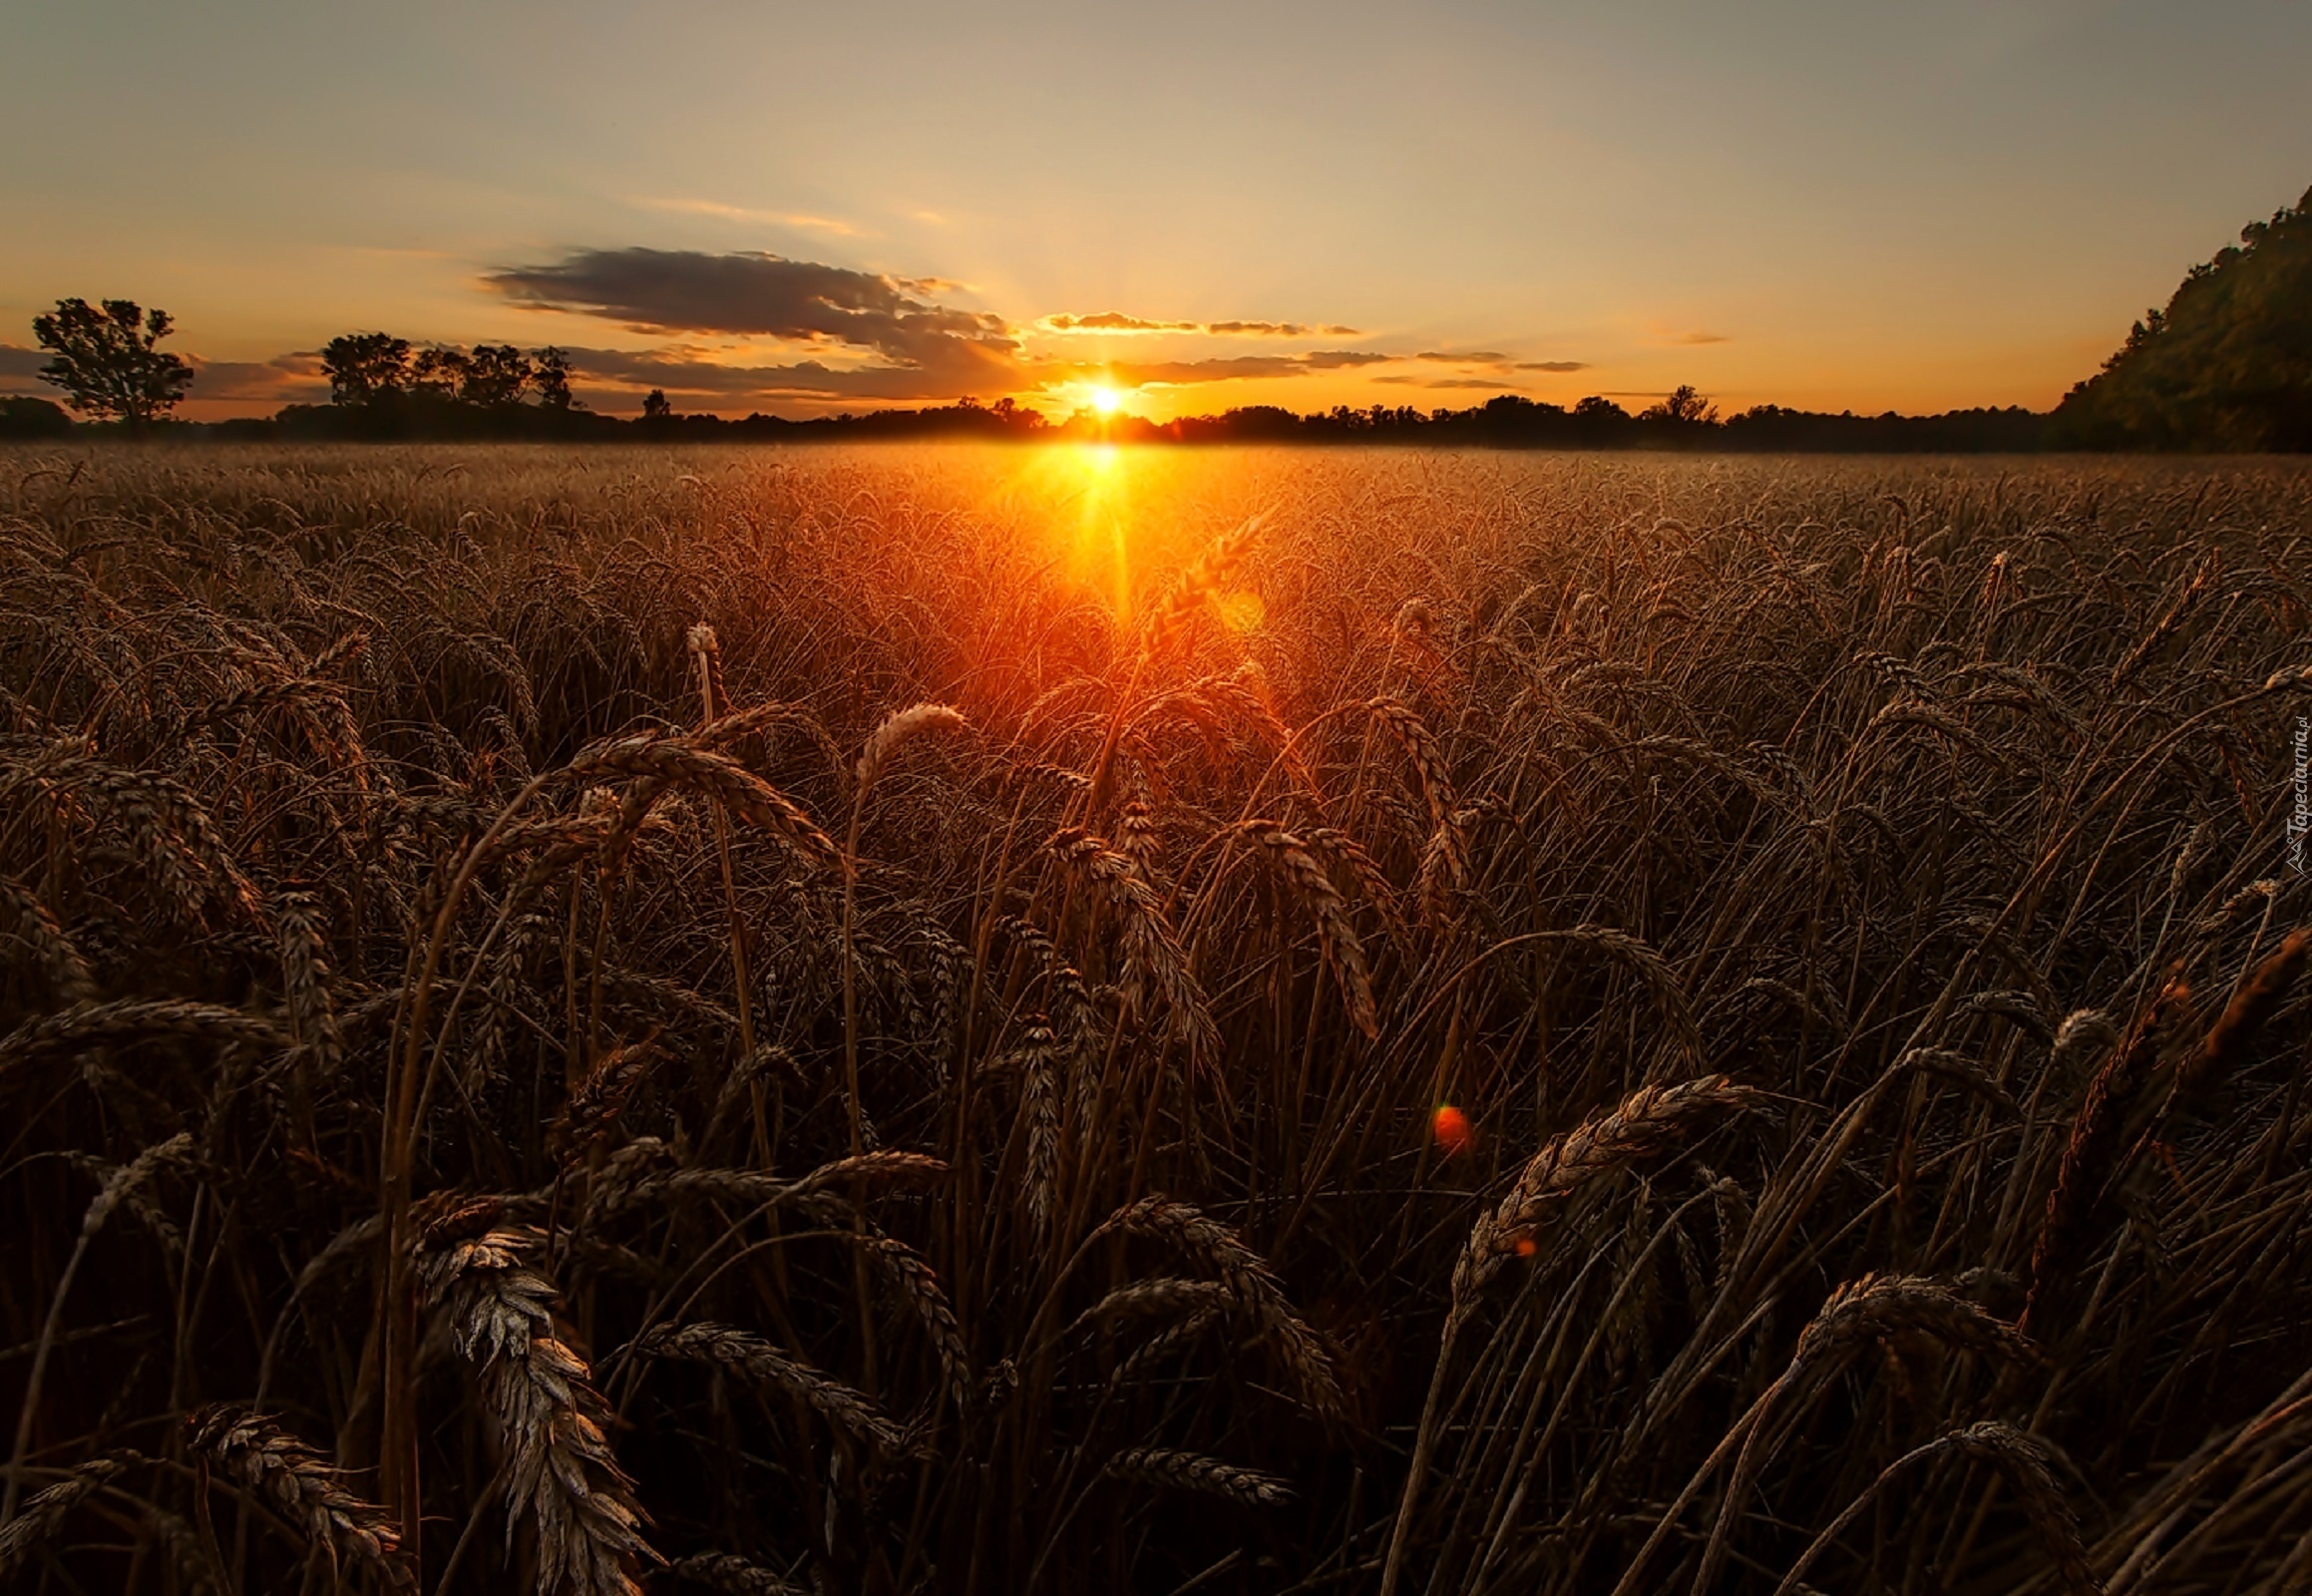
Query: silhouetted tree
363	368
552	376
106	362
439	373
497	375
656	406
1684	407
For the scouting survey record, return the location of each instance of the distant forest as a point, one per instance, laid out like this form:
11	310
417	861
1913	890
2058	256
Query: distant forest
2226	367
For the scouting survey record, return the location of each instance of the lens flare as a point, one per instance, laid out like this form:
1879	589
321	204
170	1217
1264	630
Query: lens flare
1452	1130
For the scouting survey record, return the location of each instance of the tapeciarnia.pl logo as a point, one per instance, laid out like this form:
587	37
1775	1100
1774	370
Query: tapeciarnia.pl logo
2301	816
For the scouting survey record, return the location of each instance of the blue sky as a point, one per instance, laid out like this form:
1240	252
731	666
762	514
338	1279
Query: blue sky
1825	204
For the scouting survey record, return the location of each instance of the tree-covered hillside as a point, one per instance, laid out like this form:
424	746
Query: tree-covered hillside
2229	363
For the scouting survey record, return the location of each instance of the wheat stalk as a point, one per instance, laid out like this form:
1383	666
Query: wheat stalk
560	1476
277	1465
47	1510
1178	1470
760	1364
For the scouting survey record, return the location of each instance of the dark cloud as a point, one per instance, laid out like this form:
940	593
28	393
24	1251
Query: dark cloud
285	379
763	295
18	361
973	369
1553	365
914	347
1703	337
1474	357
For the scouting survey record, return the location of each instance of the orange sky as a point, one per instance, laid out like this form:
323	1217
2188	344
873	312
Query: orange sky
804	209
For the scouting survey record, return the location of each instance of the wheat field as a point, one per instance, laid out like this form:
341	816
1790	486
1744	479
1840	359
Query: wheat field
1057	1020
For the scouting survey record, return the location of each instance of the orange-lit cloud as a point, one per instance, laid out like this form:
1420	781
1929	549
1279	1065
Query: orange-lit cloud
1115	321
1492	384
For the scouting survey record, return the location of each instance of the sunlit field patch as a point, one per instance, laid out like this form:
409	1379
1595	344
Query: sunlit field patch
1044	1019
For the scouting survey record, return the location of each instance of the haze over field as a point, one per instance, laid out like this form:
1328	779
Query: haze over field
800	209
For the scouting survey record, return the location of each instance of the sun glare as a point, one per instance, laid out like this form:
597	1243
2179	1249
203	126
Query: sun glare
1106	400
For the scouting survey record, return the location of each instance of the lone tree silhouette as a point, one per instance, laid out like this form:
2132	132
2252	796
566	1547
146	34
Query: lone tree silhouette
106	361
1686	406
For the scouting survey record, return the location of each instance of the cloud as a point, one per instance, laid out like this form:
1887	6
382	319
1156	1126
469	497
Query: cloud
684	371
1499	361
1493	384
18	361
1277	330
1230	368
776	218
285	379
931	350
1703	337
1115	321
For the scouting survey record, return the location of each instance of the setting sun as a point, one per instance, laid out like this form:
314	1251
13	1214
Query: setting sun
1106	400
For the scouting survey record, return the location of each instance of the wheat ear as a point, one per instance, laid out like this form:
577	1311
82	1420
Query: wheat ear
559	1471
280	1467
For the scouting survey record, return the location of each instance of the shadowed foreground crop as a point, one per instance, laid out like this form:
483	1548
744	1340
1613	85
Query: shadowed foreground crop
1048	1020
